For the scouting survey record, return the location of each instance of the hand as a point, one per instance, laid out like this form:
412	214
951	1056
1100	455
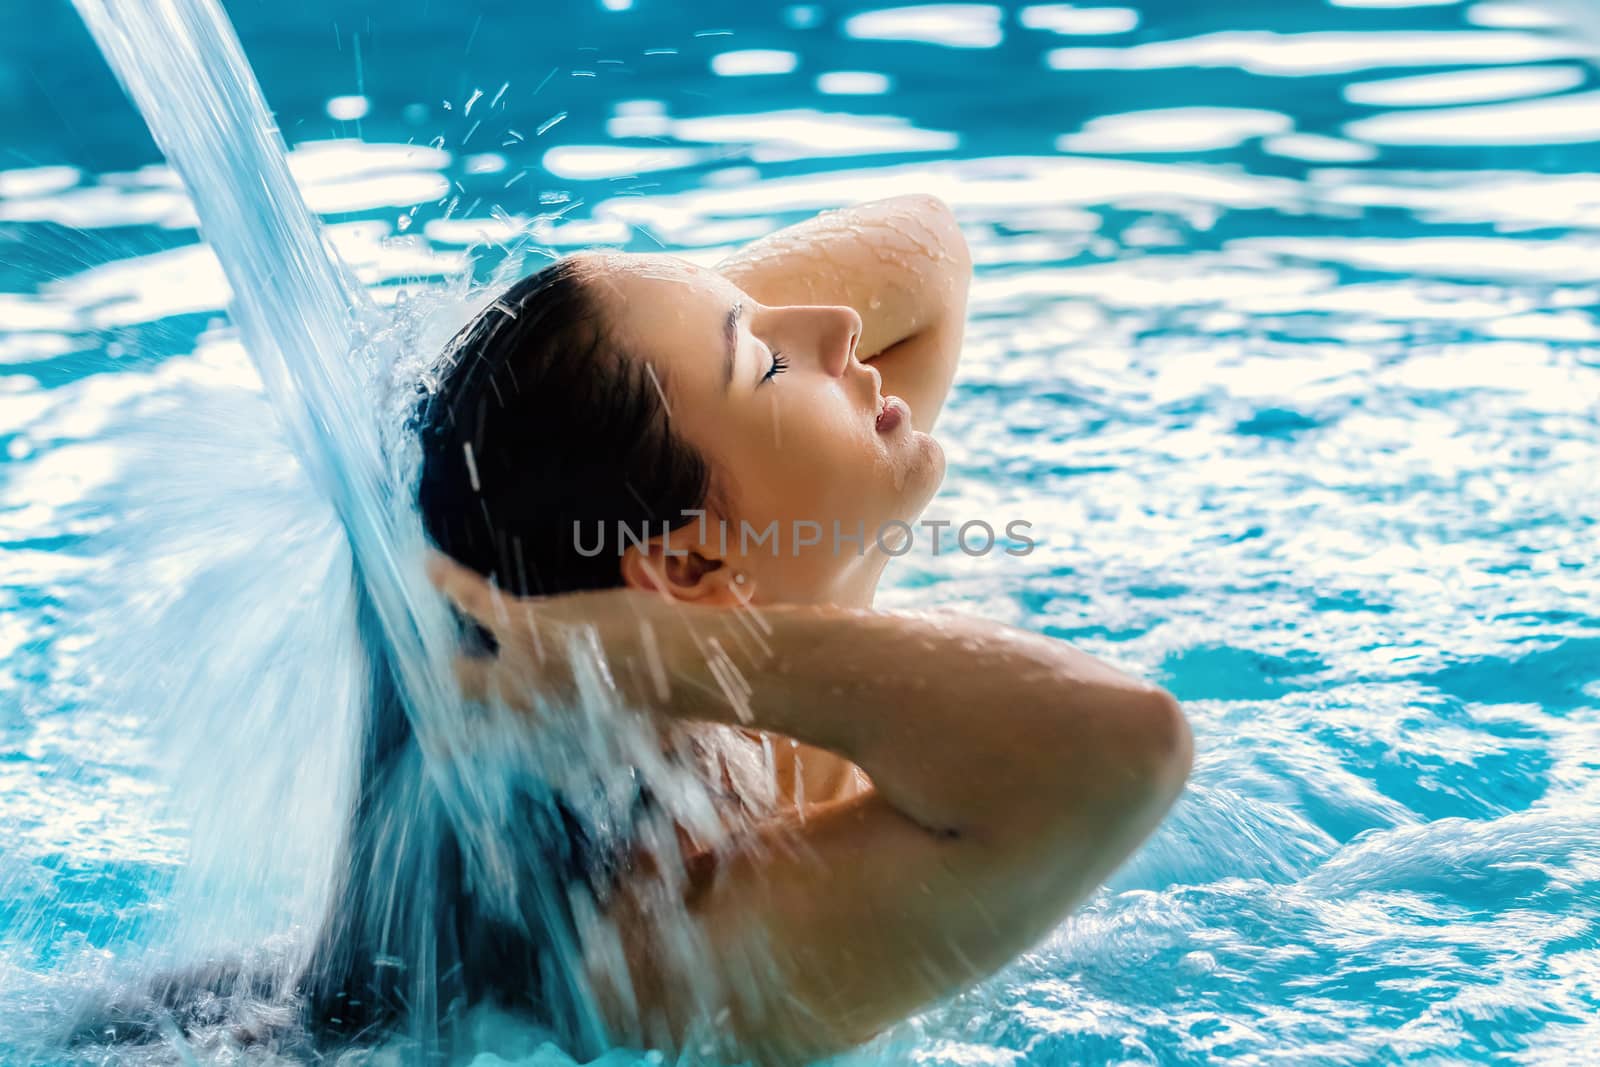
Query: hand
535	634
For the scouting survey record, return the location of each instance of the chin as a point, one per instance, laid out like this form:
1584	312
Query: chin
927	469
933	452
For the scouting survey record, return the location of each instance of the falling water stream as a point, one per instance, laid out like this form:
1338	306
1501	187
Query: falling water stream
319	346
303	318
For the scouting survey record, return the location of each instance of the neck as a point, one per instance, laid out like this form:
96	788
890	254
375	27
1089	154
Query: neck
858	585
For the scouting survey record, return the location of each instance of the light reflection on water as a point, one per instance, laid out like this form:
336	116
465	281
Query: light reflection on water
1283	339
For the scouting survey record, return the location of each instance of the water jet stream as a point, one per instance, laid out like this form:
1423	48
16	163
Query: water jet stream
423	823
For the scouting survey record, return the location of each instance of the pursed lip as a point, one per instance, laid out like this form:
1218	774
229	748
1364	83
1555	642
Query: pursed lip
892	411
888	410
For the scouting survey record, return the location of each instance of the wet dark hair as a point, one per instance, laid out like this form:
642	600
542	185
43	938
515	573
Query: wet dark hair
535	420
539	422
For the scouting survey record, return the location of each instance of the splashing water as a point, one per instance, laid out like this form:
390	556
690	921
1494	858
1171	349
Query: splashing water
430	818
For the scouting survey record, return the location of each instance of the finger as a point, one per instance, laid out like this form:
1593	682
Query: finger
468	590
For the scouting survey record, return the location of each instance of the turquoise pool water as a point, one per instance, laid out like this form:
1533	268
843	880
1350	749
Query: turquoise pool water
1283	338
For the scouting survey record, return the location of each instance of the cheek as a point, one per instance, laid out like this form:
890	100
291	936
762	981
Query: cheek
808	453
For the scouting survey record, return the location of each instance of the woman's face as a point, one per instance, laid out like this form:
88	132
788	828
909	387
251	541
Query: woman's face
796	428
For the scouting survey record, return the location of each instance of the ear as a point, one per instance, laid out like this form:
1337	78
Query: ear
672	566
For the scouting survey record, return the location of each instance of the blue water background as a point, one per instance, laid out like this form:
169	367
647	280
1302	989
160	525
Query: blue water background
1311	441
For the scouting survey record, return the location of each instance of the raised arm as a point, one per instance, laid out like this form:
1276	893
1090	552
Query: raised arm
1013	774
902	263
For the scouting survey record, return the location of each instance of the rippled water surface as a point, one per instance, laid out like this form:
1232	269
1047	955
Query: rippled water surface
1283	338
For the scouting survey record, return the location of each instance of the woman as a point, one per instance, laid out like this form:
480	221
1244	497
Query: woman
956	785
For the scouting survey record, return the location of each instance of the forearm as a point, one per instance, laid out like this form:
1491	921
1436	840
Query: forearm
972	725
964	725
895	261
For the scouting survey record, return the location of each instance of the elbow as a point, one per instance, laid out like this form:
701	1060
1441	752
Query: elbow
1168	748
1143	762
1142	757
941	223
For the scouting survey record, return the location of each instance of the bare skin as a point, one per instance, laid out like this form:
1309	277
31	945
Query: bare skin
952	787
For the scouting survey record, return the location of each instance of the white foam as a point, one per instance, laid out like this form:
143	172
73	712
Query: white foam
21	311
96	207
1072	20
501	230
754	61
853	83
1577	327
334	160
589	162
32	347
1328	52
763	137
1408	300
507	229
367	192
149	176
189	280
1176	129
1568	260
584	233
1508	16
377	257
1510	200
1466	86
1316	148
776	136
141	289
1153	282
37	181
1571	119
1014	185
951	25
1507	366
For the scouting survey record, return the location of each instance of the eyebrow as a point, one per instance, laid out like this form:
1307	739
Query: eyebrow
730	333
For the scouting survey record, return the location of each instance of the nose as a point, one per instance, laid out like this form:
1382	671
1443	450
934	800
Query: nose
838	330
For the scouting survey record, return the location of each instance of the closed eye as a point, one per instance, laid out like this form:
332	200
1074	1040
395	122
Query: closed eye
779	365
